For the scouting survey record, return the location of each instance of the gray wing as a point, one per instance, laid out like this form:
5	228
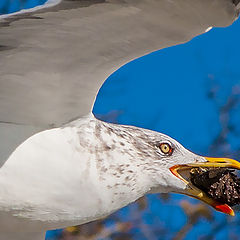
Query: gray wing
53	61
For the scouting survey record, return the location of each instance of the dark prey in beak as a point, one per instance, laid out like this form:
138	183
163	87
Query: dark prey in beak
221	184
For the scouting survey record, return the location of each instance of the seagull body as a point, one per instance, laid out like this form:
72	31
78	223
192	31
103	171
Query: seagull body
57	172
96	160
92	158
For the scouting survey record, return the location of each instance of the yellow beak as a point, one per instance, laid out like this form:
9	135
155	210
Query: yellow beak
197	193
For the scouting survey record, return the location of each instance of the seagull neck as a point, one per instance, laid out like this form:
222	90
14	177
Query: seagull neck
115	163
116	156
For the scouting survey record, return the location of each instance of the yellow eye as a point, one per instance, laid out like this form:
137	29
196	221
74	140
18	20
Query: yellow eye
166	148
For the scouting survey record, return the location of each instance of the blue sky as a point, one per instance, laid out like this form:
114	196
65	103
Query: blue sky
182	91
9	6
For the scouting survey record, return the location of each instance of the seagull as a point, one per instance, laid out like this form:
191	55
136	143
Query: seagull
60	165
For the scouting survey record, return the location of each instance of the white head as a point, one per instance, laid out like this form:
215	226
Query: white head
165	163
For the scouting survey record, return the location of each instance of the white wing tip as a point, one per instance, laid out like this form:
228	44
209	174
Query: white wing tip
208	29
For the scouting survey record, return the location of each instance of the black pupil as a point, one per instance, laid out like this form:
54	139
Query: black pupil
165	148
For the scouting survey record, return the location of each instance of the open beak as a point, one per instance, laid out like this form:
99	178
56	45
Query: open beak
197	193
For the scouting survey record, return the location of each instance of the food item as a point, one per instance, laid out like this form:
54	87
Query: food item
221	184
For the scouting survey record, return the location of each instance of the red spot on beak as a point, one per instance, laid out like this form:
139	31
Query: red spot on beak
224	208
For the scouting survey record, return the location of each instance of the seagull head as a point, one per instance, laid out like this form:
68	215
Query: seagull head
171	164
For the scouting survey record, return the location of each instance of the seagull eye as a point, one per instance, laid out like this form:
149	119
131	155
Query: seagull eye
166	148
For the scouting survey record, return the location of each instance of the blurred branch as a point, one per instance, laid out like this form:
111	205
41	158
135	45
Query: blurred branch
220	145
194	213
97	230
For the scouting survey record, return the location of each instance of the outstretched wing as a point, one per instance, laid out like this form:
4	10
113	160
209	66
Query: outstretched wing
53	61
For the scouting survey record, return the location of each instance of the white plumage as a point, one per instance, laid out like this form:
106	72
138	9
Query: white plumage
52	64
85	171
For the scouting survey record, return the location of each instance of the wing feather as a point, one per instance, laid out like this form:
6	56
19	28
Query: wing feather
53	61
